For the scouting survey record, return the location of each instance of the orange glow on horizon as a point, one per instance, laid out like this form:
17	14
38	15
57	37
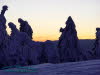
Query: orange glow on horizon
41	38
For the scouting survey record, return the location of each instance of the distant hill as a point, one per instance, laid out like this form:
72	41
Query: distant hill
87	43
84	43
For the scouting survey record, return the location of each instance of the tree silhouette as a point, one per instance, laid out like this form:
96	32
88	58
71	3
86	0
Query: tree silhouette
68	42
25	27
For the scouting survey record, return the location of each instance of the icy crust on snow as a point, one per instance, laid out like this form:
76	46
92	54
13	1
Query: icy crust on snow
91	67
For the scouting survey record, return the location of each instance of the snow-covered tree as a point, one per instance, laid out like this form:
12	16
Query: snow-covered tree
2	17
22	48
96	49
25	27
3	45
15	46
68	43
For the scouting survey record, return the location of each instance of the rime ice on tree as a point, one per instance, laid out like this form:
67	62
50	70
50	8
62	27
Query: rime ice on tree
3	45
23	49
2	17
68	42
97	44
25	27
3	38
15	46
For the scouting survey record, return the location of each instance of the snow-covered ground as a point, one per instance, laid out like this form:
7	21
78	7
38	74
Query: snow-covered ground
91	67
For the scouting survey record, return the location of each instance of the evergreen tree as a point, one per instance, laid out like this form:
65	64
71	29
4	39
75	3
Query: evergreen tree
25	27
96	49
68	42
2	17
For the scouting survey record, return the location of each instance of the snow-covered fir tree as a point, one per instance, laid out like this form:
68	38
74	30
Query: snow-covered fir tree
3	45
96	49
23	49
25	27
2	17
4	37
68	43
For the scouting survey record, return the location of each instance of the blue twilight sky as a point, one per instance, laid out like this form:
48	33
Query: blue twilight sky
47	16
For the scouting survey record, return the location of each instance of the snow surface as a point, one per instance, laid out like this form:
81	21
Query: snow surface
91	67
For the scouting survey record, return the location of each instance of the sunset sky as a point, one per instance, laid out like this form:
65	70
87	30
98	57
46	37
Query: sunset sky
47	16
